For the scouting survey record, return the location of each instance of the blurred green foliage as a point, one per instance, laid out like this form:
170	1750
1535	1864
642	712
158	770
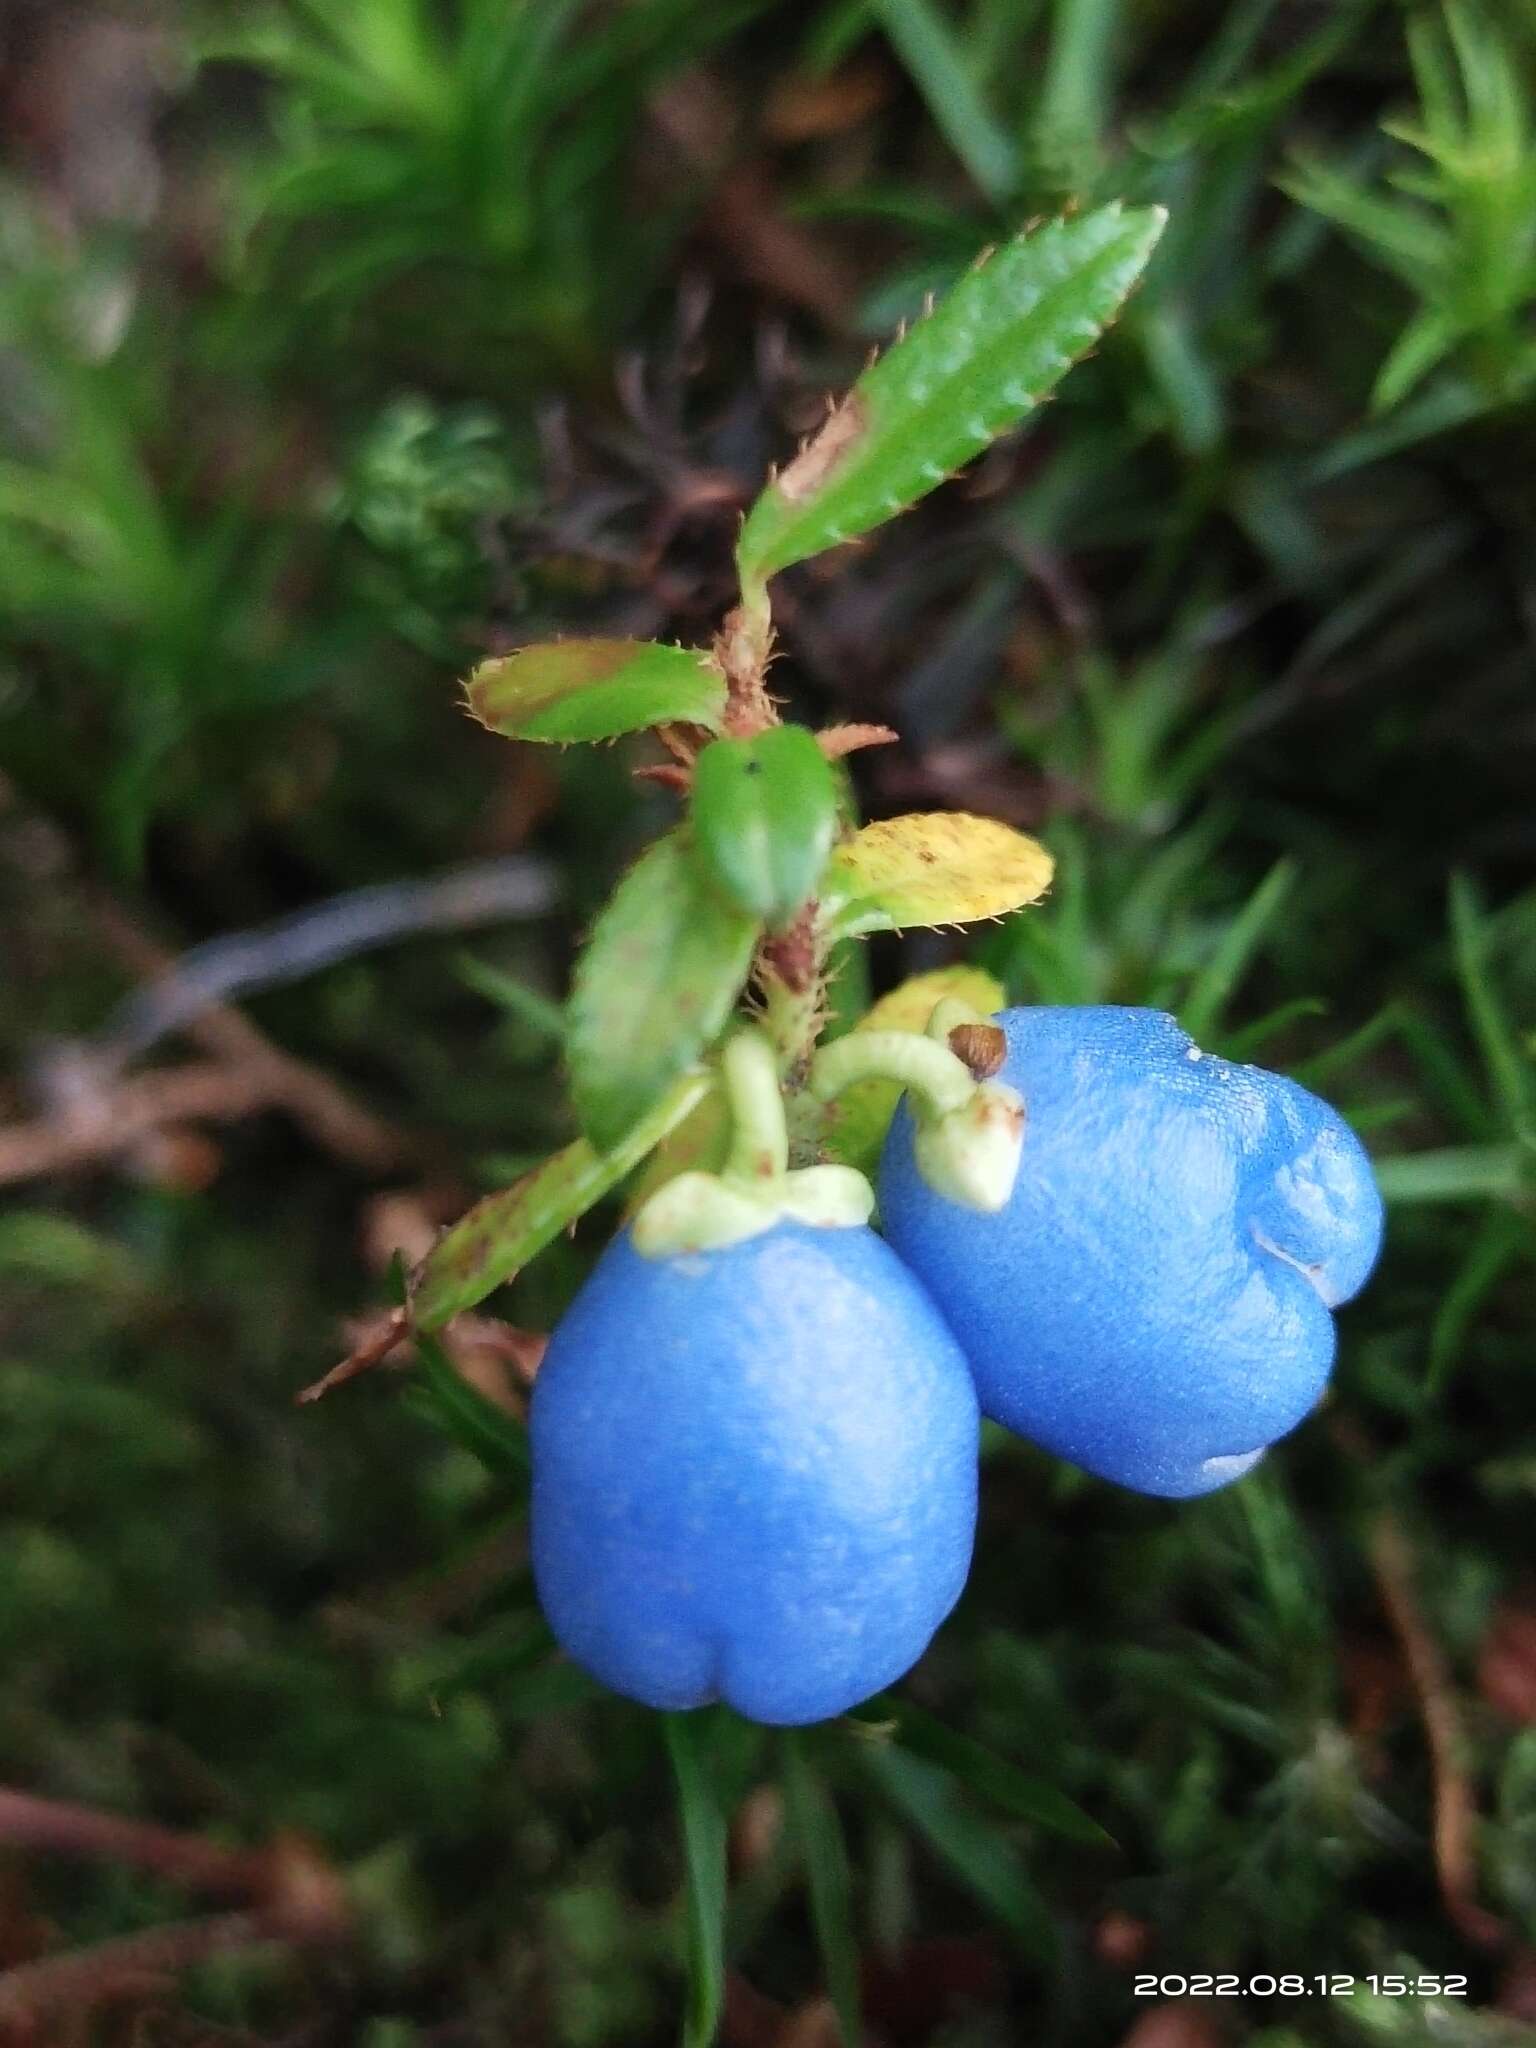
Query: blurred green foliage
437	342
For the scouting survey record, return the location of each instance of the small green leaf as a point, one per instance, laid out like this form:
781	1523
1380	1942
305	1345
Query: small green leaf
862	1114
930	868
495	1239
764	816
990	1776
703	1829
984	1861
595	689
654	987
819	1837
1005	335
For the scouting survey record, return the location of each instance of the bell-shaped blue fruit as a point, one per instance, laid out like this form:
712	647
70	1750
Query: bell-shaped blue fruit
1153	1303
754	1473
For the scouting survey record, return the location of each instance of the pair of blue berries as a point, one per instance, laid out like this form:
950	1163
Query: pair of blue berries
755	1465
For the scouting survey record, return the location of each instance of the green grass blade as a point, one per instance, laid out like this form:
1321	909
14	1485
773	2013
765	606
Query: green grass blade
1460	1173
1493	1251
703	1831
981	1770
934	57
978	1855
1508	1069
1079	75
496	1438
1206	1001
824	1854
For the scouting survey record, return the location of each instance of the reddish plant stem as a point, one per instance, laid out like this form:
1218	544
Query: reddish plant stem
1455	1815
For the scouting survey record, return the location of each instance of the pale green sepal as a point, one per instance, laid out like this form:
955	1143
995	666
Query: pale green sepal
828	1197
970	1155
701	1212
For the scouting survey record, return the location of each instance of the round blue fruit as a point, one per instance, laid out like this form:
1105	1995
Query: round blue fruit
754	1473
1154	1301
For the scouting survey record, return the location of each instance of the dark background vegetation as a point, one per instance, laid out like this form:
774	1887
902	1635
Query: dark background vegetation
344	340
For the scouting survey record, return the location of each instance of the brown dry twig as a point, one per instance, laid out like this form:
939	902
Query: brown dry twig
286	1891
744	216
1455	1819
469	1340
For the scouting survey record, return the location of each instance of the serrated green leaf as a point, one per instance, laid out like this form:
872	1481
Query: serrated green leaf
655	985
990	1776
993	348
595	690
931	868
824	1855
862	1114
984	1861
764	816
703	1828
495	1239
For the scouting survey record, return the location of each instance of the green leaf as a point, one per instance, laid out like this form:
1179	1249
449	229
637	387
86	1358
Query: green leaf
495	1239
595	689
862	1114
990	1776
703	1828
987	355
819	1837
764	817
655	985
1205	1003
931	868
983	1860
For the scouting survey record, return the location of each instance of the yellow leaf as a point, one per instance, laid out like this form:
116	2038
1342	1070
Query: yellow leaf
932	868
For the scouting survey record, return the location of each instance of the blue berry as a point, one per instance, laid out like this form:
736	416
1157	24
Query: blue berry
1154	1301
754	1473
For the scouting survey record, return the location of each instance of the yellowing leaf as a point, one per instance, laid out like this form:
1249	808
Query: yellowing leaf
931	868
909	1006
862	1113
